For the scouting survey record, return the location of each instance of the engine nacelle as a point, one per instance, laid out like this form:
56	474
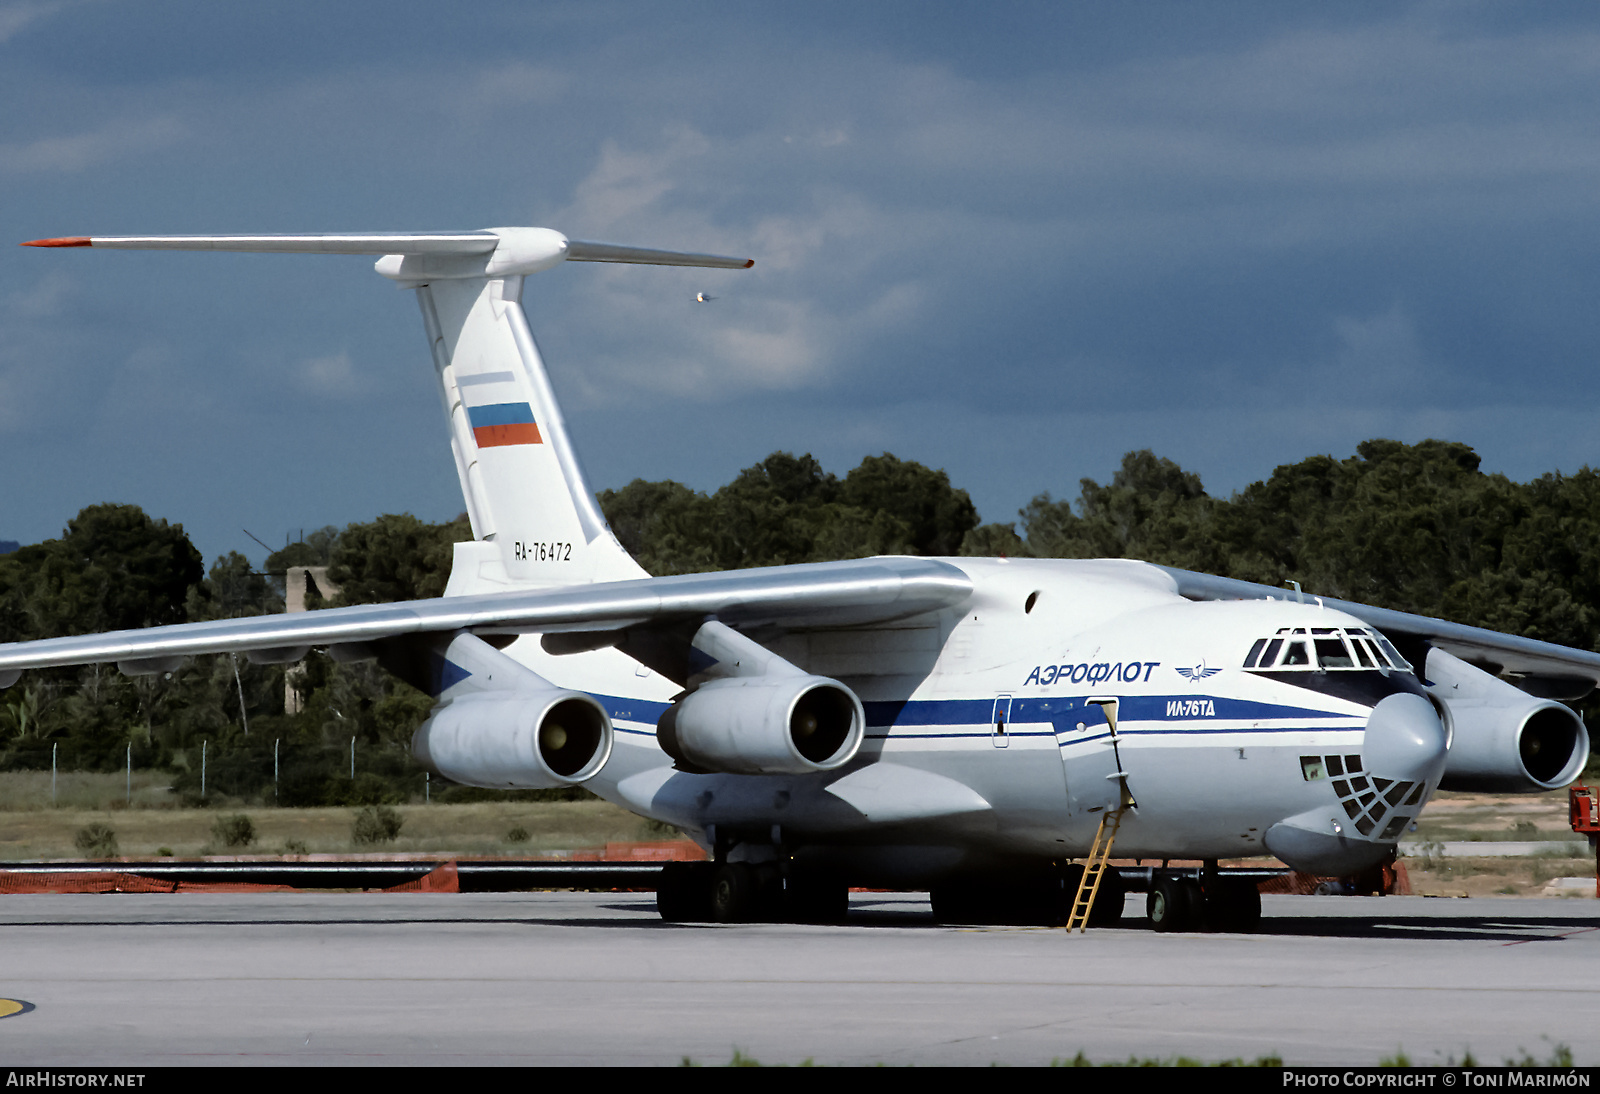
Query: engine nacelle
535	740
765	725
1505	740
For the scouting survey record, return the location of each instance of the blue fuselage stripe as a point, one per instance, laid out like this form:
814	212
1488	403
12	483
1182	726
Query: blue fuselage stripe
903	719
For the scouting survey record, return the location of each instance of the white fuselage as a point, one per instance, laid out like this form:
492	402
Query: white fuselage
987	727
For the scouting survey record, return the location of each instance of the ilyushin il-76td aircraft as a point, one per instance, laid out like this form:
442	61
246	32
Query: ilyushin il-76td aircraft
989	730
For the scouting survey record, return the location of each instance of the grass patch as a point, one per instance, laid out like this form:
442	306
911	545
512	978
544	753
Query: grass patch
476	829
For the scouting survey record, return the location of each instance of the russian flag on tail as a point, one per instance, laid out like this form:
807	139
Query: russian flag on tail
503	423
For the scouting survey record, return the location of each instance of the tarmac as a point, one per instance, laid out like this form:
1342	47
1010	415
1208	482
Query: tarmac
133	980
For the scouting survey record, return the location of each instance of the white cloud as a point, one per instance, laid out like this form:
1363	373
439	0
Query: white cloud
17	17
333	376
116	141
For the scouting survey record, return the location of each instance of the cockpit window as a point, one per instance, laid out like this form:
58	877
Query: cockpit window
1325	648
1393	654
1332	654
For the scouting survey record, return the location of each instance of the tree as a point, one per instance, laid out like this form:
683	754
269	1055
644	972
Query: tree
396	557
936	515
1151	509
112	569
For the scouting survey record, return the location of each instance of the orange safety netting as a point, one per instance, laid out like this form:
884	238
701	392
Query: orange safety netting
442	879
1387	879
112	881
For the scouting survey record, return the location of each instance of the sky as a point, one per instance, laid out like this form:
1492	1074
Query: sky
1011	240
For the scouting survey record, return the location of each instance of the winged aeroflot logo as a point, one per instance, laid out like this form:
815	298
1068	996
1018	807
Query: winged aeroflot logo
1199	672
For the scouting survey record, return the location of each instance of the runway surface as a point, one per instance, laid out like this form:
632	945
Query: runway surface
593	978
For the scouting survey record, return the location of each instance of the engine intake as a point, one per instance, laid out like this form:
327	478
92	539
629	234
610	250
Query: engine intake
526	741
1505	740
777	725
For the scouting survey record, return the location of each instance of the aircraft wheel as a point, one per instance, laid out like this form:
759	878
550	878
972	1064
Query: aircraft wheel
1173	904
734	893
683	895
1234	906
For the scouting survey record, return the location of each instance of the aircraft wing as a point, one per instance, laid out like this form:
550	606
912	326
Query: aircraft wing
1488	649
819	594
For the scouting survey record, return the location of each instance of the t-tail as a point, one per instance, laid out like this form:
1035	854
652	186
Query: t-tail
534	519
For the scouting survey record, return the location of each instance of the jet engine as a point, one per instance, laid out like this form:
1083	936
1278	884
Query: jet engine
1505	740
764	725
528	740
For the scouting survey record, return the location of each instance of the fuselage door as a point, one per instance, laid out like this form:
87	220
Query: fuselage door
1000	723
1090	759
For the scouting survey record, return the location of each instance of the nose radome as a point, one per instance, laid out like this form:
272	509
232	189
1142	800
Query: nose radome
1405	740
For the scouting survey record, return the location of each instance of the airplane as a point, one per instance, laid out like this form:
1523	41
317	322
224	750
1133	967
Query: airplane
988	730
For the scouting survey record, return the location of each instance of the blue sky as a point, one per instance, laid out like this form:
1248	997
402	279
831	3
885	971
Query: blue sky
1011	240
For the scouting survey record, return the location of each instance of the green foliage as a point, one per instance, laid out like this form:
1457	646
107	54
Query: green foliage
1082	1060
237	830
375	824
96	840
112	569
313	550
1560	1056
396	557
518	834
787	509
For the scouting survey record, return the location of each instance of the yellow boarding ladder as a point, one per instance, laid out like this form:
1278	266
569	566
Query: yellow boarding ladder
1099	853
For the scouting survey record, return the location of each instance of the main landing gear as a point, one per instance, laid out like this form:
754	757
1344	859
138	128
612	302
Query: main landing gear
743	892
1209	902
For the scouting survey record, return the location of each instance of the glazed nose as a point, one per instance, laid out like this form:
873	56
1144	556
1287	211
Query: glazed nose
1405	740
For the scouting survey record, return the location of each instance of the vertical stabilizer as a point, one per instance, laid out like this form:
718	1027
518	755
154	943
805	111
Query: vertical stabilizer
534	519
525	491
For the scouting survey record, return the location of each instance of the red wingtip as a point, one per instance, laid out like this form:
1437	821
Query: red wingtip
749	262
62	241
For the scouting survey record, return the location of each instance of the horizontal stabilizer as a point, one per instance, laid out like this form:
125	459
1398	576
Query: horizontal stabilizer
492	252
342	243
580	251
